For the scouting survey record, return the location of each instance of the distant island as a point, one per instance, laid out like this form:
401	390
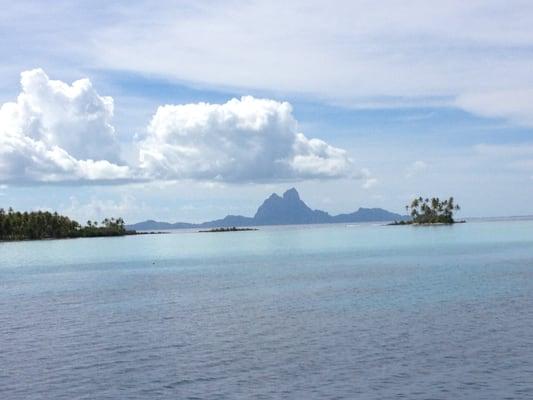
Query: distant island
15	225
425	211
288	209
232	229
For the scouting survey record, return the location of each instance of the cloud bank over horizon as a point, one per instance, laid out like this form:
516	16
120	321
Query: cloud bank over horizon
55	133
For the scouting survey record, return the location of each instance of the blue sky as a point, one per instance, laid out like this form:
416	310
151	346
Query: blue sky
354	104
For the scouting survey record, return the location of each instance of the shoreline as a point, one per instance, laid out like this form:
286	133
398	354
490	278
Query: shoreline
128	233
410	223
232	229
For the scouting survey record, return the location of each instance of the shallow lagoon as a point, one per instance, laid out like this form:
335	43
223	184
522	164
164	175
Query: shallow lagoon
333	311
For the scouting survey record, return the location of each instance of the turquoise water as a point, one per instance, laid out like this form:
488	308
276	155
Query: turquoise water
335	311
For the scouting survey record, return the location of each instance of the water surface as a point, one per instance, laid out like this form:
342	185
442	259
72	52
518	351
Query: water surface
313	312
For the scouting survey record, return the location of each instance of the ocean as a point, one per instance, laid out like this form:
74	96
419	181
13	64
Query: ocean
292	312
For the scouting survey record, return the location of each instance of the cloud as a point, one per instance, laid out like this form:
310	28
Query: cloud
415	168
372	56
514	105
243	140
352	58
57	132
368	180
126	206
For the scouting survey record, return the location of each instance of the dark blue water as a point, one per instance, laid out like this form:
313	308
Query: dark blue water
334	312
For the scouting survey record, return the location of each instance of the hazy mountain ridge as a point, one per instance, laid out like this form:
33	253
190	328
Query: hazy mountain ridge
276	210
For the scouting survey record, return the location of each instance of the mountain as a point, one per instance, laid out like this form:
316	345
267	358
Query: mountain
286	210
228	221
151	225
368	215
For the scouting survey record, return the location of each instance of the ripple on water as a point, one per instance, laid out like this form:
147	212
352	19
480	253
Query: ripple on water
320	321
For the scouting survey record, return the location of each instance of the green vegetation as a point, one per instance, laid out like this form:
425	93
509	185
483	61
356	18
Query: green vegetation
430	211
16	225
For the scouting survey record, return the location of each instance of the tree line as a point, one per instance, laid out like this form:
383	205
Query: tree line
15	225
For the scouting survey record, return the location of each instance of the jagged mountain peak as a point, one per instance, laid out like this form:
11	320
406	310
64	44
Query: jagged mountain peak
291	194
273	196
287	209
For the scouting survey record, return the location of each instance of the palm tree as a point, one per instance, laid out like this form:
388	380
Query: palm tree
425	210
16	225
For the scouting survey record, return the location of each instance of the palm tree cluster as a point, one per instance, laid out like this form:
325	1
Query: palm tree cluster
108	227
432	211
15	225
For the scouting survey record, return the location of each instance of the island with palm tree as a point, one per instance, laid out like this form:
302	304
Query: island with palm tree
36	225
430	211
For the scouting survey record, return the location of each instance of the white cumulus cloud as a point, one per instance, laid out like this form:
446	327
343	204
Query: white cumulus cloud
58	132
243	140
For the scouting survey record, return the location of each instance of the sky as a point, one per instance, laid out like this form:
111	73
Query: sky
191	110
